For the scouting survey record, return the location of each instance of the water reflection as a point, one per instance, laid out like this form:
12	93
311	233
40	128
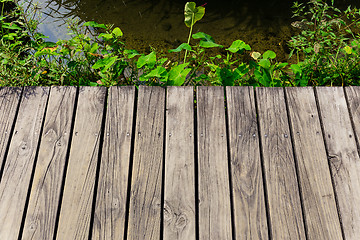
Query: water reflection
263	24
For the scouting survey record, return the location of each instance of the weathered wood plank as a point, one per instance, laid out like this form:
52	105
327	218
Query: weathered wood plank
179	200
110	209
19	164
9	100
145	200
247	183
46	187
343	156
75	214
320	212
214	189
280	175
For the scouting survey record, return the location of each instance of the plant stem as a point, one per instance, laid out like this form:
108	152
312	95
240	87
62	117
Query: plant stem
188	42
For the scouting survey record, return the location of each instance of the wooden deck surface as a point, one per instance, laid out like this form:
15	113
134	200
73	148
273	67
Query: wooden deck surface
207	163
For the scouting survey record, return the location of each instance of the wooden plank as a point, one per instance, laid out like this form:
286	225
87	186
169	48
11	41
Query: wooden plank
179	200
110	209
214	189
145	199
18	168
75	214
284	204
9	100
321	216
46	187
247	183
342	155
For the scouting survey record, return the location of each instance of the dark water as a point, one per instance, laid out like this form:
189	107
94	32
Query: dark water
263	24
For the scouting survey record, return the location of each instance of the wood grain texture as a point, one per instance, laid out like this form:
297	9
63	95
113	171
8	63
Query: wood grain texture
19	164
247	183
110	209
75	214
9	100
179	200
48	176
145	199
342	155
214	189
321	216
280	175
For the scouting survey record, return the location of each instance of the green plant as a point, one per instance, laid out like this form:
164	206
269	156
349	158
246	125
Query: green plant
327	51
328	44
224	70
267	71
192	15
203	68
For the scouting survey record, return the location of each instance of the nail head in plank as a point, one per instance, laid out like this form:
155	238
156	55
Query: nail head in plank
247	183
75	214
321	216
284	204
20	160
110	208
48	176
9	100
145	198
343	156
214	190
179	200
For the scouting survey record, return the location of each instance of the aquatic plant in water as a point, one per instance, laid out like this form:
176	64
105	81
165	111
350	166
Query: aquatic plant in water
327	50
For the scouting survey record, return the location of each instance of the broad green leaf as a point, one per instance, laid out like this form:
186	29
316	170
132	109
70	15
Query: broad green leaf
207	44
181	47
130	53
104	63
12	26
296	68
237	46
48	45
203	36
46	51
177	75
117	32
159	72
94	24
206	40
192	13
149	59
265	63
94	47
110	62
282	65
269	54
241	71
100	63
266	78
161	61
106	36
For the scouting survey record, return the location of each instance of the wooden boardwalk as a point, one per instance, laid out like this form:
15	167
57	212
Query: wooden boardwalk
179	163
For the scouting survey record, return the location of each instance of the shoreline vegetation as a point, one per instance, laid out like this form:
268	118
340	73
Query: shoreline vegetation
326	52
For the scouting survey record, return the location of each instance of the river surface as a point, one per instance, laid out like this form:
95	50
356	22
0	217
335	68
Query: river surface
160	24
